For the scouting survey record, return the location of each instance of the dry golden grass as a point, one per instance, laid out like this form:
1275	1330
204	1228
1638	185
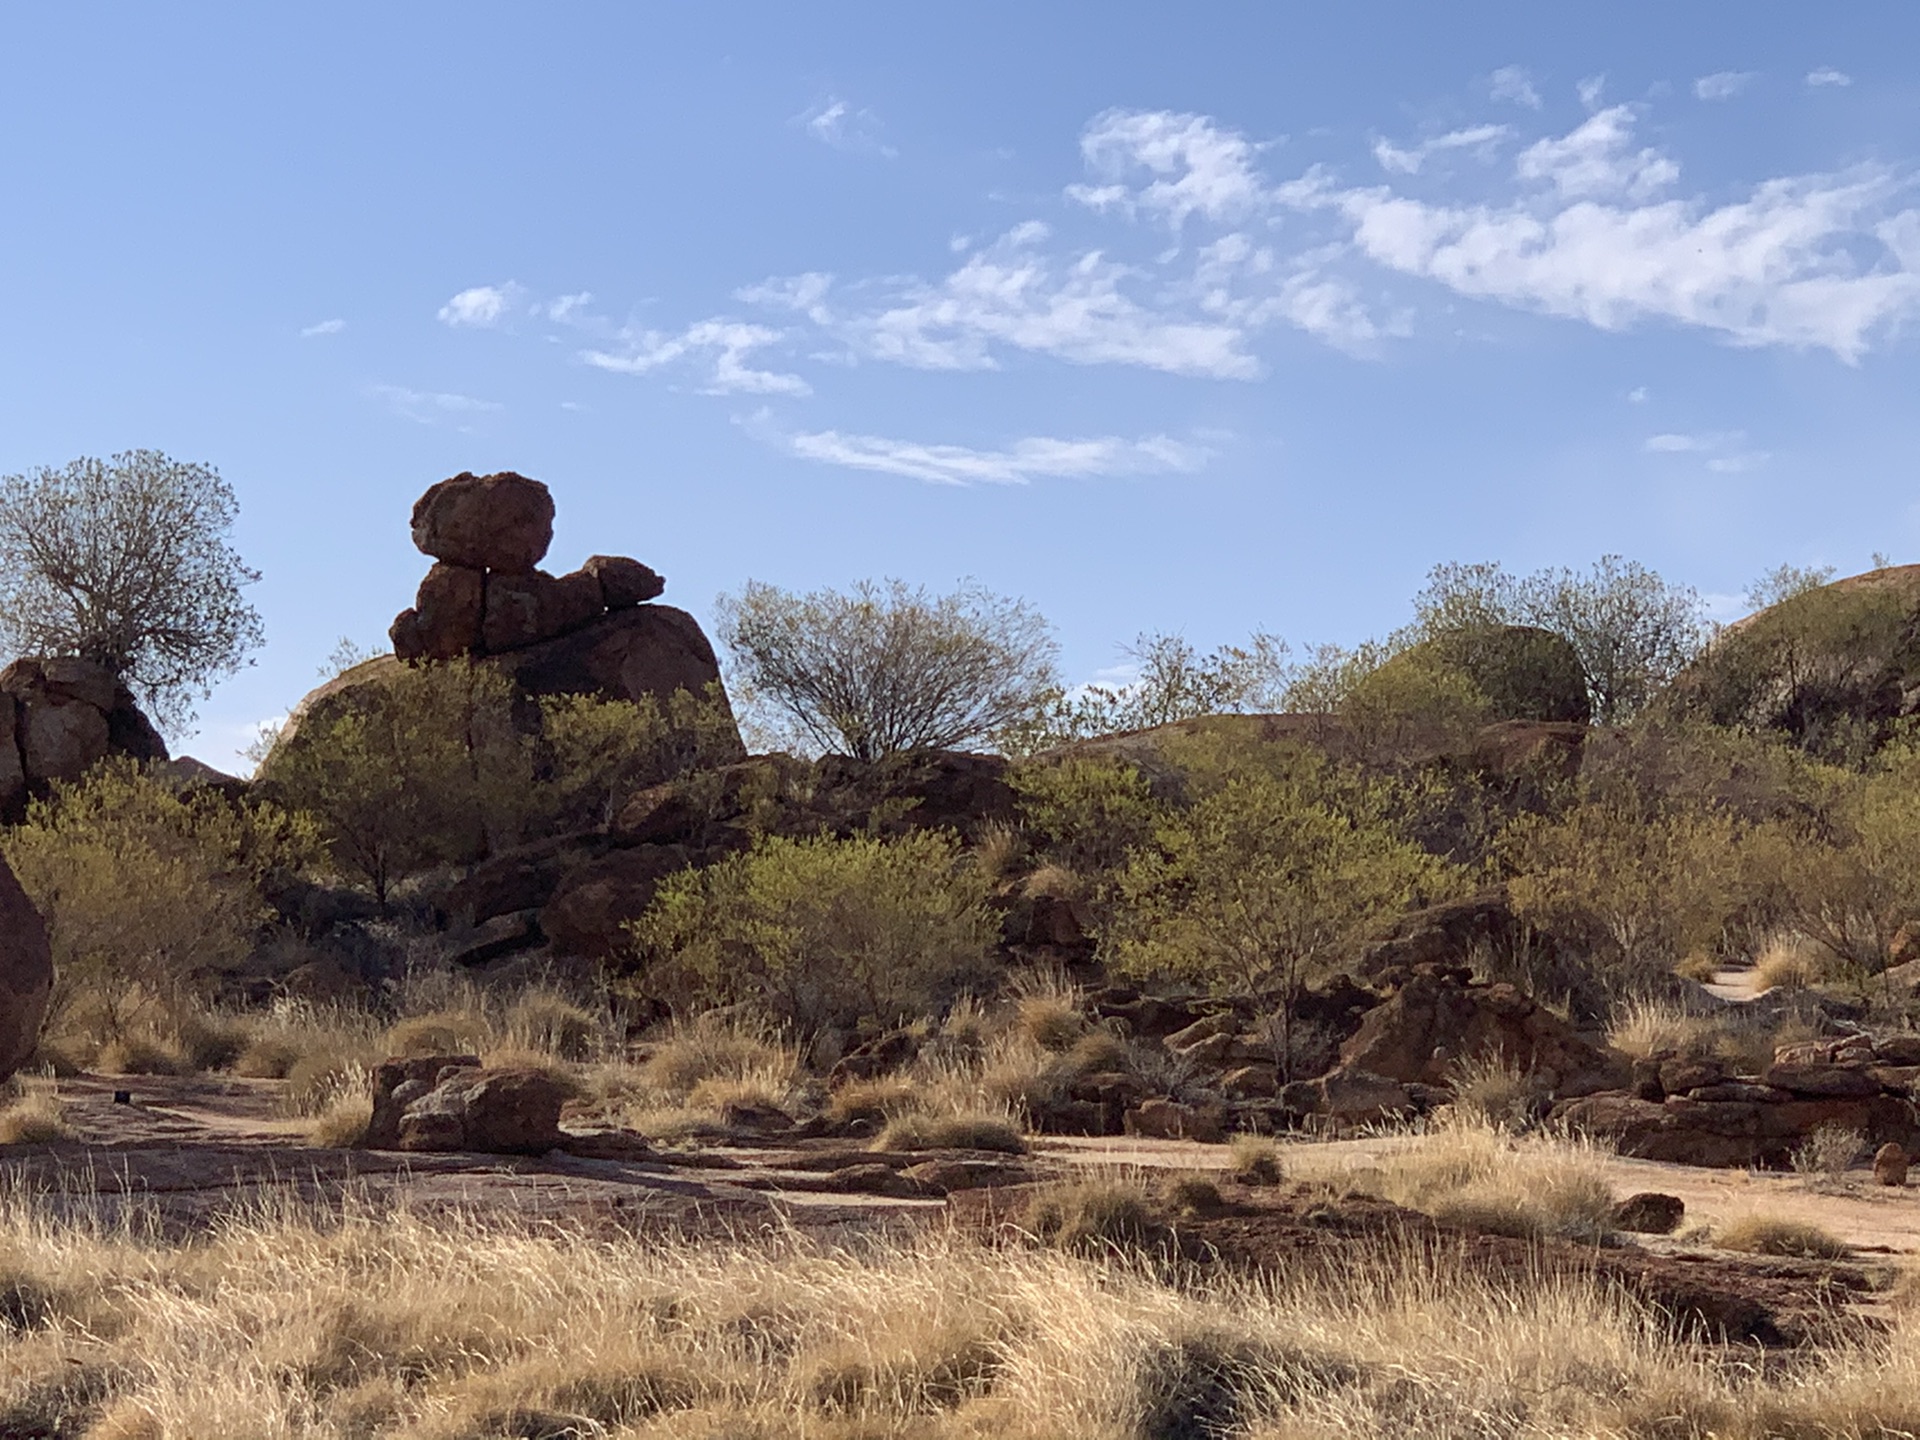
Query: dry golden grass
1470	1172
1772	1235
1791	962
951	1132
34	1115
1255	1160
393	1325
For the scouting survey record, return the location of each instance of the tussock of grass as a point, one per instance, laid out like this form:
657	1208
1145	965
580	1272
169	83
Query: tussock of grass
1477	1175
951	1132
878	1099
1096	1216
1255	1160
1051	1019
1773	1235
34	1117
1792	962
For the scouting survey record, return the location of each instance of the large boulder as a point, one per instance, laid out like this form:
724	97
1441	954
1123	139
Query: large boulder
62	716
1438	1019
498	522
26	973
446	615
1835	667
525	609
507	1111
595	902
624	655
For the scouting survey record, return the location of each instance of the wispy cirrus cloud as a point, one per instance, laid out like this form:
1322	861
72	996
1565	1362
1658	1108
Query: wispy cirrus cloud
1512	84
720	347
1725	452
1827	75
323	327
481	307
1723	84
1407	160
432	407
834	122
1023	461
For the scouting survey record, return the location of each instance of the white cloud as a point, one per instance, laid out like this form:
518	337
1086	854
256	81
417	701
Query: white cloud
725	343
430	407
568	309
325	327
1637	395
838	124
1511	83
1590	90
805	293
1408	161
1594	159
481	306
1723	84
1726	451
1827	75
1196	166
1019	463
1075	308
1804	261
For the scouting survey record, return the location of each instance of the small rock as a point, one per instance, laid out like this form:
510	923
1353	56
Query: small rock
943	1177
1163	1119
1649	1213
1890	1165
624	582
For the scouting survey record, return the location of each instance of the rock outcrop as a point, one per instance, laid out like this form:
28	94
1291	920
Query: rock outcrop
58	718
26	973
1697	1111
451	1102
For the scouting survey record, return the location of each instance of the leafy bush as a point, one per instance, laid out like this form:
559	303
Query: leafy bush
599	752
1084	813
1174	682
821	931
421	766
147	893
1280	859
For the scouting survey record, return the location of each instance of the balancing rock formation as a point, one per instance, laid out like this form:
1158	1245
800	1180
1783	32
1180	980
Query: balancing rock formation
593	631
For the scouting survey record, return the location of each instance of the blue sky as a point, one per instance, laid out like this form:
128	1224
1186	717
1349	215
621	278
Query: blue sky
1194	318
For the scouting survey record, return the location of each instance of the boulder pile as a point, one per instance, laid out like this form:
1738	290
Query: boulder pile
452	1102
1697	1111
486	594
60	717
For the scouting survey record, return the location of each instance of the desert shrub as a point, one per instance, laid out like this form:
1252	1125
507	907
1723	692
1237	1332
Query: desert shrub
1084	813
821	931
1421	696
1255	1160
420	766
1173	681
1772	1235
887	667
1051	1016
1494	1090
1256	885
601	751
1096	1216
920	1131
1830	1150
35	1114
147	894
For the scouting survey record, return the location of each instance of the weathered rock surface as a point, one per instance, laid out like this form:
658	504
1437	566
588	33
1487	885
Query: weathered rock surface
58	718
1890	1165
624	582
445	619
523	610
26	973
451	1102
498	522
624	655
1689	1130
595	901
1438	1018
1649	1213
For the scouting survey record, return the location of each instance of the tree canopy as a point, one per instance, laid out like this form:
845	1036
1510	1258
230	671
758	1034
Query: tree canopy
127	562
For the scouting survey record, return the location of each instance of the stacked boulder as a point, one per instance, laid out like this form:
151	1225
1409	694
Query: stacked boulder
59	718
486	593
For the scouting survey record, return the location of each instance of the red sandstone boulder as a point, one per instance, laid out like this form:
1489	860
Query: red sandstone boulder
445	619
624	582
62	716
397	1084
595	902
523	610
500	522
26	974
510	1111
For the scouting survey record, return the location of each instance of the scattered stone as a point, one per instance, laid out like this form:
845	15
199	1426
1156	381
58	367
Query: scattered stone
500	522
1352	1096
507	1111
1649	1213
947	1175
872	1179
623	582
399	1082
26	973
1890	1165
1163	1119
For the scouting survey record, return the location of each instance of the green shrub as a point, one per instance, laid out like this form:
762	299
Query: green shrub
420	765
148	894
1255	887
1083	813
822	931
599	752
